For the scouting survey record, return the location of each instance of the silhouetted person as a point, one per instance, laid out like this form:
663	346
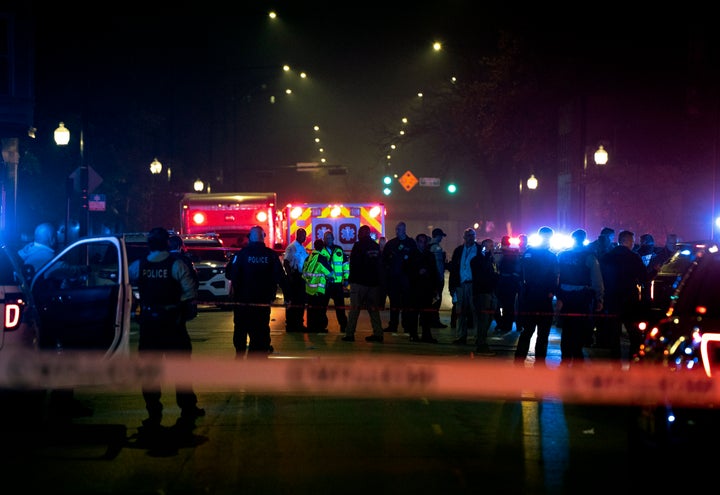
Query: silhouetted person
167	291
460	285
580	294
394	253
338	282
539	268
365	273
296	298
484	283
255	273
441	261
508	285
421	270
624	275
316	271
42	249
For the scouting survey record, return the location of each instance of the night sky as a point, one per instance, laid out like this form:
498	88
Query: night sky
191	86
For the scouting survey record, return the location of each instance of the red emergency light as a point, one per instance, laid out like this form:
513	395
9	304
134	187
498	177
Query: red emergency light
199	218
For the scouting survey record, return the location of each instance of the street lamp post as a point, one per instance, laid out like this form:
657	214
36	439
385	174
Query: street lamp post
155	169
62	138
155	166
532	184
600	158
199	185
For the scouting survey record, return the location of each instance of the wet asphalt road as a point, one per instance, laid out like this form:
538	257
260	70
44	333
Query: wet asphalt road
294	443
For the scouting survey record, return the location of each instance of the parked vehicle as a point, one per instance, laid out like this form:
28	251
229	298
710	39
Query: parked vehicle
685	340
666	282
19	329
231	215
79	301
210	256
343	220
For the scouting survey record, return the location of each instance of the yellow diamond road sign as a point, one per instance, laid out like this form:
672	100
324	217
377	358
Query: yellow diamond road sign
408	180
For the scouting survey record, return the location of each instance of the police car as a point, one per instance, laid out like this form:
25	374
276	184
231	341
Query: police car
79	301
210	257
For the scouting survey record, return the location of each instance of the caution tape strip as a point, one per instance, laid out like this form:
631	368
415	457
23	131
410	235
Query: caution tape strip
376	377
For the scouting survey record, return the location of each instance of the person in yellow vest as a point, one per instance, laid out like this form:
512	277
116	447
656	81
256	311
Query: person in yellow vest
316	272
340	272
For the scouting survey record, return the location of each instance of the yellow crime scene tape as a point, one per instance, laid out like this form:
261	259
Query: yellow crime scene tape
379	376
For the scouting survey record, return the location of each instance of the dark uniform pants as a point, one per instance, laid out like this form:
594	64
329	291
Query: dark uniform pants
251	320
576	323
534	313
295	311
165	333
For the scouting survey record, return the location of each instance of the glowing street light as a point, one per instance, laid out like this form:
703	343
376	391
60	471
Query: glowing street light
62	135
601	156
532	182
62	138
155	167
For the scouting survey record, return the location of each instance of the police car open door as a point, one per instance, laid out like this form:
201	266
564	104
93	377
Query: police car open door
83	298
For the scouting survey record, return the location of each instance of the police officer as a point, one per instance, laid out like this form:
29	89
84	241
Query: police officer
580	293
167	292
508	285
395	252
255	273
340	271
539	274
42	249
623	272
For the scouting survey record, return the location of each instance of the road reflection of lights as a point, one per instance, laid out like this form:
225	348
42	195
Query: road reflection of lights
545	438
545	442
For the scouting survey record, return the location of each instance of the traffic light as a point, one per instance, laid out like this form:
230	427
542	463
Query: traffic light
387	180
452	188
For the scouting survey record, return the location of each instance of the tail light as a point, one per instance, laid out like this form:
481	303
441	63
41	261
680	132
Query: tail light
14	304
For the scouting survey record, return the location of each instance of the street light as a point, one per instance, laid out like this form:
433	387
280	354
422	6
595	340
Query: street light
600	158
155	169
198	185
155	166
532	182
62	135
62	138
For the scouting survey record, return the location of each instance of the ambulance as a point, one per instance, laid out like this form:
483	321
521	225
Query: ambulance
342	219
230	216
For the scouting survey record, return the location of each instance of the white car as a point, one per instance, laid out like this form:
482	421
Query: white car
210	264
80	301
